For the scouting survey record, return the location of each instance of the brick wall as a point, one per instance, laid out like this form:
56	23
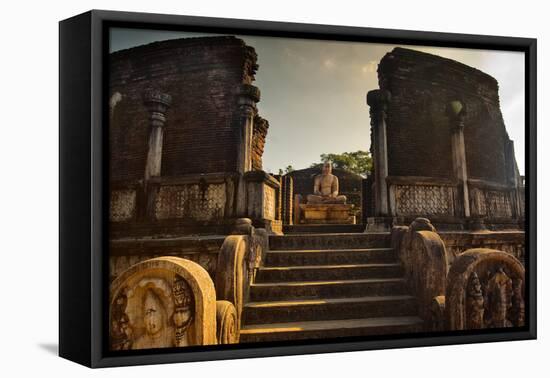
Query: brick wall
202	76
418	130
258	141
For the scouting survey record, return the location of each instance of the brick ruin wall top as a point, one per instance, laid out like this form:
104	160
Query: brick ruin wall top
418	130
202	75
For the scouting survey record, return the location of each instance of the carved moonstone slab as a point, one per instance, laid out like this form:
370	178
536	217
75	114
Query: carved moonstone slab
160	303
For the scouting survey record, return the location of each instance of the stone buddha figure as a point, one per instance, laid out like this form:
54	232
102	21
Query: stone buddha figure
325	188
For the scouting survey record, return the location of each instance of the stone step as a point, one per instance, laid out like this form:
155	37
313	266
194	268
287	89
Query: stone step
276	291
328	309
323	228
327	272
282	258
327	329
329	241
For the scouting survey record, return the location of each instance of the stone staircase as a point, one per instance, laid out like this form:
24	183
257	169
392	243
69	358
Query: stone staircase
327	285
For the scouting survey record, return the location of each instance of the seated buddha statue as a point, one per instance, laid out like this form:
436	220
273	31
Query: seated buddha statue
325	188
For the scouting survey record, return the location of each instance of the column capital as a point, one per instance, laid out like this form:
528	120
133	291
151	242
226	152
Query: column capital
247	96
378	99
157	101
248	92
456	111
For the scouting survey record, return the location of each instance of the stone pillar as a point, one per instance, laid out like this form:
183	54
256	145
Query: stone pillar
248	95
158	104
456	112
378	101
288	196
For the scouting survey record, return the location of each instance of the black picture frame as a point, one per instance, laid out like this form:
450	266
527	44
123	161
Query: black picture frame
83	228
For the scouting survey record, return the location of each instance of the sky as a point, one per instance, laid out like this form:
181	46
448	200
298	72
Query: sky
313	92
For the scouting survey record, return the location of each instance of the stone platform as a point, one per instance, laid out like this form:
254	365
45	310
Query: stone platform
326	214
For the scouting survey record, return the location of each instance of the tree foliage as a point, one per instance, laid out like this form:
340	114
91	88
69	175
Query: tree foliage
359	162
288	169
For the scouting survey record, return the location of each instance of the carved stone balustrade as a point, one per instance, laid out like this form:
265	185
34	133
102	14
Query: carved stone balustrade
485	289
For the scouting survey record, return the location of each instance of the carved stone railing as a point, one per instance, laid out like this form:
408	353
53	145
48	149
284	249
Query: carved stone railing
424	259
421	196
239	258
195	198
479	288
485	289
492	201
521	201
123	204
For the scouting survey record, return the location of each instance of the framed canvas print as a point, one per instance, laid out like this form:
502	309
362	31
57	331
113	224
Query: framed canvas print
234	188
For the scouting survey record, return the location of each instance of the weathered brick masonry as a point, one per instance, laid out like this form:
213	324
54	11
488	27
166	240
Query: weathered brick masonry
418	130
202	75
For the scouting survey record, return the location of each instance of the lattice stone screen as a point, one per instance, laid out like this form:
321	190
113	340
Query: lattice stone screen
269	202
123	205
190	201
521	199
423	199
491	203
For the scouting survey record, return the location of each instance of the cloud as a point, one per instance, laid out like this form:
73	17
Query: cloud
370	67
329	63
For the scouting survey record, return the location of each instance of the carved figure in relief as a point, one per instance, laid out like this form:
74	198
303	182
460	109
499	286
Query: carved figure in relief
518	304
158	333
121	332
499	295
475	303
325	188
184	308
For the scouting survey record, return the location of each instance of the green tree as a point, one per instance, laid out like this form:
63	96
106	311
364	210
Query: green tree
359	162
288	169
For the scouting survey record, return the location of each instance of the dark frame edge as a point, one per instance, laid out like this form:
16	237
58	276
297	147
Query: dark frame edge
531	174
92	253
75	212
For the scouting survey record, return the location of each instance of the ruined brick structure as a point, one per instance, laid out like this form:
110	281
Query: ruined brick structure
202	75
184	135
258	142
196	224
439	143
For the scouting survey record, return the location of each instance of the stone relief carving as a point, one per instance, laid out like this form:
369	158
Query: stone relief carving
162	302
200	202
424	199
485	291
269	202
121	333
227	323
184	308
157	332
518	304
499	295
122	205
490	203
475	303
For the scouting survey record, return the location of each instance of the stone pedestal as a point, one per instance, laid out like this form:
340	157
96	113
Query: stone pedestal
262	200
326	214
